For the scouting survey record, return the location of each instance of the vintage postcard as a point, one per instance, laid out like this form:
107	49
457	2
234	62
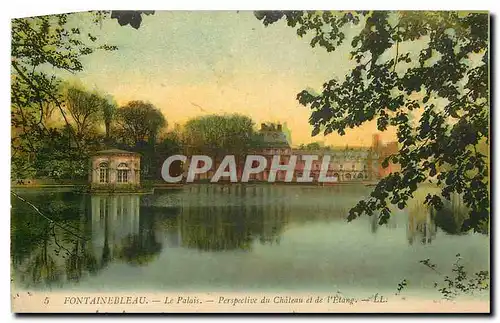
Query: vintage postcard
250	161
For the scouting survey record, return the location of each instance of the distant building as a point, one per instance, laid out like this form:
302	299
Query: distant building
347	164
273	142
384	151
115	168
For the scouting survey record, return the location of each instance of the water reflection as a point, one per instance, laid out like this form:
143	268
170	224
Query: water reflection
451	217
90	232
45	253
421	228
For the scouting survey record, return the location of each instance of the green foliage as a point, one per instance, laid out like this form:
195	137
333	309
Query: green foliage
424	74
128	17
171	144
219	134
40	44
402	285
451	216
140	249
459	283
41	246
108	107
168	146
86	110
226	228
139	121
312	146
35	156
137	126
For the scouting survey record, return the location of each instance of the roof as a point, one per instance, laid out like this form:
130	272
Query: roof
272	139
114	152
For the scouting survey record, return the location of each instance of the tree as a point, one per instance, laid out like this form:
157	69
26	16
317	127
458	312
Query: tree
108	113
40	45
219	134
138	125
47	41
139	121
436	97
167	146
85	108
312	146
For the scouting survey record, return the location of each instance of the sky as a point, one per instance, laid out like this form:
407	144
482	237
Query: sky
196	63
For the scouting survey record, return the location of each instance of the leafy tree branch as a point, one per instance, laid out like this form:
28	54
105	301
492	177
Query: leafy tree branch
435	94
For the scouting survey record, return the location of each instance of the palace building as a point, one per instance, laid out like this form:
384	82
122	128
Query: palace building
346	164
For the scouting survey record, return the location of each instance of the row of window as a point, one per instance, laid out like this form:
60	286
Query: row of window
277	151
331	165
318	166
347	176
122	173
350	155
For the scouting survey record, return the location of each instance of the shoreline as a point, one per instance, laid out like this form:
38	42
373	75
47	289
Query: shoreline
181	185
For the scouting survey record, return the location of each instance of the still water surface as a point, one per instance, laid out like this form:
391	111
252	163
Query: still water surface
231	238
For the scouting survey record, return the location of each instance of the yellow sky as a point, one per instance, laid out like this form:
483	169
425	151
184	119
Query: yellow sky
194	63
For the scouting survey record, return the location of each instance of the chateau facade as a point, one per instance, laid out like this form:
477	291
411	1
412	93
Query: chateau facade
346	164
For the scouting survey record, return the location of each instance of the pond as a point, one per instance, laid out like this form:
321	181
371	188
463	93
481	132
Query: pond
229	238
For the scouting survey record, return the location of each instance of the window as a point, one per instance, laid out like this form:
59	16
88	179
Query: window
103	173
122	173
122	176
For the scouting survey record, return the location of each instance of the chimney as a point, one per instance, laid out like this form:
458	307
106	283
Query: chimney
376	142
